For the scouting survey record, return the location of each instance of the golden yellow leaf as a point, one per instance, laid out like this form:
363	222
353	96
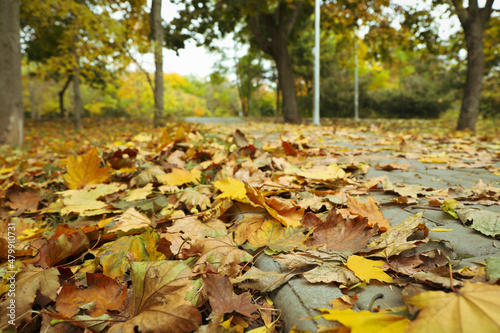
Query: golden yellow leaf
332	172
231	188
139	193
84	170
277	238
366	321
367	269
180	177
474	308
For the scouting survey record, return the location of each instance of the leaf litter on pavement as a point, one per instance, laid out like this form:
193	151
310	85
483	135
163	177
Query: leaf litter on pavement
155	231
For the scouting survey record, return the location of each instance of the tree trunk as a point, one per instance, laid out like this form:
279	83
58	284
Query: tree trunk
11	89
473	20
291	112
157	32
272	36
62	111
76	94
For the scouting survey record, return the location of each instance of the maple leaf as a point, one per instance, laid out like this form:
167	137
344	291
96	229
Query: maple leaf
84	170
366	321
33	285
85	201
394	241
231	188
22	199
370	211
222	252
105	292
159	302
130	221
275	237
192	198
260	280
223	299
473	308
140	193
288	215
180	177
114	256
61	247
337	233
367	269
195	229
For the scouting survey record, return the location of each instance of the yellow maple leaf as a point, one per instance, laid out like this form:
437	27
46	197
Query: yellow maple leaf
231	188
366	269
332	172
139	193
180	177
84	170
366	321
474	308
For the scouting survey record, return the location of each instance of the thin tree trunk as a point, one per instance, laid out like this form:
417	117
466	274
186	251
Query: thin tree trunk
11	89
62	111
32	90
157	30
76	92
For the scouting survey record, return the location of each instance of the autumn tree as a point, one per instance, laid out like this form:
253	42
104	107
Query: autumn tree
11	99
270	24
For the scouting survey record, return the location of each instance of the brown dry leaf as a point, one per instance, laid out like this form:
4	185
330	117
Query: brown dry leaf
337	233
221	252
394	241
223	299
370	211
161	291
61	247
276	238
84	170
33	285
22	198
257	279
105	292
193	198
193	228
328	273
393	166
240	139
344	302
473	308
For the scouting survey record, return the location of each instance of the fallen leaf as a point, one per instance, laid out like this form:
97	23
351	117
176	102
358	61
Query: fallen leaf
393	166
223	299
473	308
231	188
332	172
180	177
130	221
84	170
394	241
337	233
34	286
22	198
484	221
257	279
366	269
140	193
370	211
275	237
105	292
493	268
366	321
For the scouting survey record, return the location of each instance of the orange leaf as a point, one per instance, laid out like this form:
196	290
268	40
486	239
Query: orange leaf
370	211
105	292
84	170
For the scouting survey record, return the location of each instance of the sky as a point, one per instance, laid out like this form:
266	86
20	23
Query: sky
197	61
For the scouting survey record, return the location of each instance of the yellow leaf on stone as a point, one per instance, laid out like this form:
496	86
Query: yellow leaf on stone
231	188
180	177
366	269
84	170
473	308
366	321
441	229
139	193
332	172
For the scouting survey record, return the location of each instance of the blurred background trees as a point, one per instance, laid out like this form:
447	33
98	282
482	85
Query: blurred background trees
91	52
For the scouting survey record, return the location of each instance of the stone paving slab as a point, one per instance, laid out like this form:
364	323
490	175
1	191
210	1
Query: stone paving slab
298	298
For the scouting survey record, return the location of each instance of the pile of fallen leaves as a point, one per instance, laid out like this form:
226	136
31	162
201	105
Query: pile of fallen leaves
122	229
